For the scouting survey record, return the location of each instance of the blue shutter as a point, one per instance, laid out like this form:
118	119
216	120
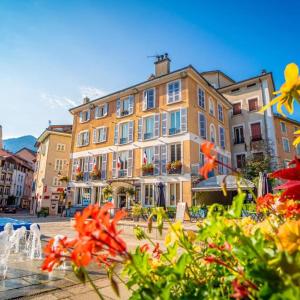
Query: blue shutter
156	161
103	166
140	129
130	163
183	119
116	136
164	123
118	112
156	125
114	165
130	131
131	104
163	159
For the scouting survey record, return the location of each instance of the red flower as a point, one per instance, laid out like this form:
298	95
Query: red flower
213	259
210	163
288	173
156	251
265	202
144	248
240	290
82	253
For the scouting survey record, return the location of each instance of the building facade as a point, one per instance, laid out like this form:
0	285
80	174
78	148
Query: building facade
51	169
284	130
252	131
145	135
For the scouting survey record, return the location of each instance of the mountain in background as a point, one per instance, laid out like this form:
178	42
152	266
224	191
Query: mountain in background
15	144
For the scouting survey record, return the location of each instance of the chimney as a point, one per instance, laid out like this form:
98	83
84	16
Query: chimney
162	65
86	100
1	141
263	71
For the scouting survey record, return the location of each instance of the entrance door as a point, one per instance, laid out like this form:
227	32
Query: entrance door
121	201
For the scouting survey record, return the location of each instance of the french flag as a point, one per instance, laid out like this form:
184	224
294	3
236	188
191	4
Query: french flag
119	163
145	158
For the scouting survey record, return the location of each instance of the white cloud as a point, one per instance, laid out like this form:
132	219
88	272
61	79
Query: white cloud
55	101
92	92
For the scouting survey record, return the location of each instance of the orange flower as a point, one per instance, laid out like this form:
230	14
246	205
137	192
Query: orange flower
265	202
82	253
210	163
144	248
289	236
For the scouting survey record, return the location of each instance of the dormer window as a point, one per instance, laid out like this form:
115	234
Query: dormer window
173	91
84	116
125	106
149	99
101	111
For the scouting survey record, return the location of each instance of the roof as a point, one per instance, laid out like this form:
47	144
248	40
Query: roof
214	184
189	67
14	157
57	129
287	119
220	72
5	153
242	82
27	149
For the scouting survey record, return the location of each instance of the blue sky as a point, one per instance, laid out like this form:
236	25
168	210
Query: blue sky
52	52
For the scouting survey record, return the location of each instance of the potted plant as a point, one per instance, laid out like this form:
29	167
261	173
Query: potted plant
79	176
137	210
95	174
148	169
107	192
174	167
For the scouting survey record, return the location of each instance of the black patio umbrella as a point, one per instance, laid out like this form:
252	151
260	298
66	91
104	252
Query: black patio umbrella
161	200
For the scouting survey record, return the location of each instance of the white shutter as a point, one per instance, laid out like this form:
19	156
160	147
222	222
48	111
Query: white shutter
130	163
116	136
163	159
105	135
87	137
157	125
103	166
78	140
114	165
91	163
97	112
131	104
183	119
145	101
118	112
130	131
95	140
105	110
156	160
88	114
140	129
164	123
80	117
86	164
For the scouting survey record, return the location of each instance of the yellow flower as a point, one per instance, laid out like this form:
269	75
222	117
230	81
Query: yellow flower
297	140
289	91
289	236
173	233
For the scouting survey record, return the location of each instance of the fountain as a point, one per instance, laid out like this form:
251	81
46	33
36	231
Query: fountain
33	243
4	253
18	240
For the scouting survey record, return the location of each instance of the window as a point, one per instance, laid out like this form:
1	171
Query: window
237	108
124	133
83	139
56	182
286	145
148	155
149	194
211	107
125	106
253	104
174	93
175	152
122	163
100	134
256	132
286	163
240	161
201	98
222	137
212	131
149	99
238	133
60	147
283	127
202	159
59	164
202	126
298	149
101	111
175	122
84	116
174	192
220	113
149	128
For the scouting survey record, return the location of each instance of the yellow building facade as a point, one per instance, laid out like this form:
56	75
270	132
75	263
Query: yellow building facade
147	134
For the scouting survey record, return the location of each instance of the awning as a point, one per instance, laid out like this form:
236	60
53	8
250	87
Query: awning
214	184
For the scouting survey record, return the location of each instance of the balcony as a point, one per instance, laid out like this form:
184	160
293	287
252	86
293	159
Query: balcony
123	141
174	167
124	113
95	175
173	131
256	138
148	135
122	173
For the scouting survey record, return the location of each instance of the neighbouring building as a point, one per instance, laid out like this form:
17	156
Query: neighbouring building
284	131
51	168
252	131
148	134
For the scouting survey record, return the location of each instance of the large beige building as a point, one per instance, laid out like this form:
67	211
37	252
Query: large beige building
148	134
52	165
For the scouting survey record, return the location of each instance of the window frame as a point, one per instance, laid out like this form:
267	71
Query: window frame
203	98
211	104
257	103
101	106
82	112
145	98
288	143
281	128
168	96
98	129
241	108
88	141
219	105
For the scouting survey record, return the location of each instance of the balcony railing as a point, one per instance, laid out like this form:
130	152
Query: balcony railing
124	113
122	173
123	141
174	131
148	170
256	138
148	135
174	167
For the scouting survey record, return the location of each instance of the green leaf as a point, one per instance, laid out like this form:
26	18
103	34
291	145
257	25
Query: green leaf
150	223
237	205
80	273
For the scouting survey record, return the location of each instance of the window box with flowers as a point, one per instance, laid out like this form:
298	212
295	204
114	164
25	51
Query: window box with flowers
148	169
95	174
79	176
174	167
